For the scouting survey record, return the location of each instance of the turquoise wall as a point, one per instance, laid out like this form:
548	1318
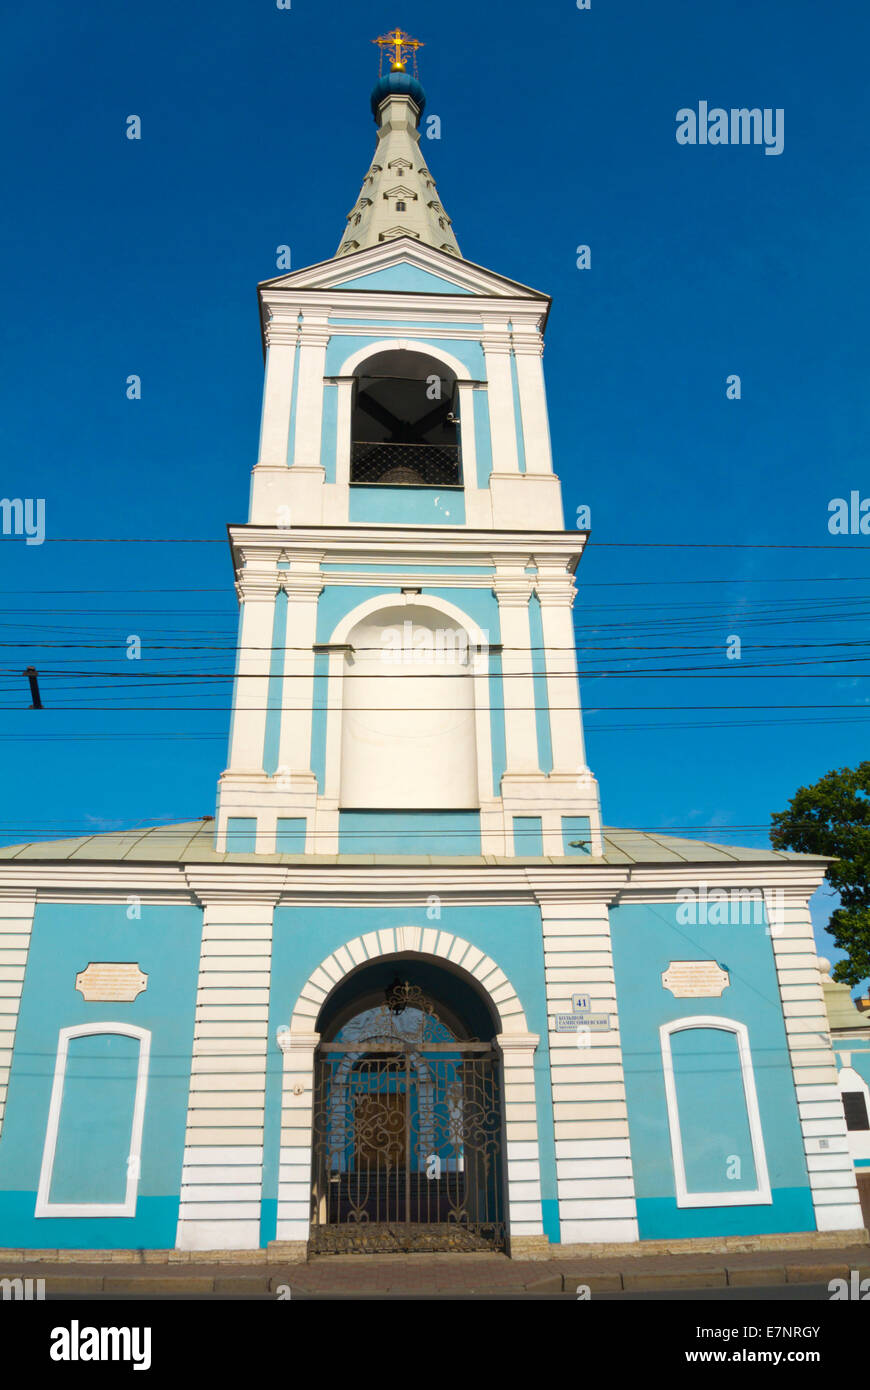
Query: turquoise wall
241	834
329	435
466	350
482	437
275	692
385	329
290	835
409	832
646	938
511	935
94	1130
576	835
713	1117
539	685
337	600
528	836
518	416
408	506
98	1098
406	277
294	394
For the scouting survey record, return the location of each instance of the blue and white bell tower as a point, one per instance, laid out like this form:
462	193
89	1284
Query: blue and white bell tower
414	997
407	678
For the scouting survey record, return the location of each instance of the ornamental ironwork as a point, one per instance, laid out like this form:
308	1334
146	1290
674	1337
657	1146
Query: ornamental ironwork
405	465
407	1134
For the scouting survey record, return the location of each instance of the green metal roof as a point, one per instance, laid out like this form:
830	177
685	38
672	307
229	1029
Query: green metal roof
192	842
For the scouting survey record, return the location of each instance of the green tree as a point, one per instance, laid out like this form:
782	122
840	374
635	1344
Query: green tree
832	817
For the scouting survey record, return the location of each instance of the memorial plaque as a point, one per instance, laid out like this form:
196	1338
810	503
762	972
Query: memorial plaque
111	981
695	979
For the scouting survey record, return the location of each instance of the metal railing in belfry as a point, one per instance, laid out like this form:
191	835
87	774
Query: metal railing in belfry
405	465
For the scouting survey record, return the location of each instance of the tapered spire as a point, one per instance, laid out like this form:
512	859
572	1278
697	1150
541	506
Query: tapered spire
398	196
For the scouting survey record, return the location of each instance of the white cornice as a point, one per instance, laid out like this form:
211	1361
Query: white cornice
410	545
412	884
399	304
476	279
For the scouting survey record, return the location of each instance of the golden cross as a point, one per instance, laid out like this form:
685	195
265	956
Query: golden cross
403	44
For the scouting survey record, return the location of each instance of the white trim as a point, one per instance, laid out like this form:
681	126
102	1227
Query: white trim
44	1207
760	1195
379	345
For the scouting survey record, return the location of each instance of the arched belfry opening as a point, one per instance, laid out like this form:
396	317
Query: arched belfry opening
405	422
407	1150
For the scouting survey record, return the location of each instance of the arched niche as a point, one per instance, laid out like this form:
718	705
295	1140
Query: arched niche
409	735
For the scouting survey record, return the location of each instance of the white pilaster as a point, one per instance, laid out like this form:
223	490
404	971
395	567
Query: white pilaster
313	338
528	349
16	924
502	420
556	594
280	335
820	1107
257	592
523	1169
521	737
222	1179
594	1173
297	1100
303	587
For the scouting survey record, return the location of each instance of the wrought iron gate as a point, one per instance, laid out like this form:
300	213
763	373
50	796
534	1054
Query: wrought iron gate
406	1136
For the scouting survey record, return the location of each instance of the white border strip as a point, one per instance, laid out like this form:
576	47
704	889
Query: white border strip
44	1207
761	1195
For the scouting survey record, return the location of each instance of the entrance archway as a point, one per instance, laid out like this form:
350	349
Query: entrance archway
344	980
407	1117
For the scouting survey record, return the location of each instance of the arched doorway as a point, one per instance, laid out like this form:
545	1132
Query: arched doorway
407	1150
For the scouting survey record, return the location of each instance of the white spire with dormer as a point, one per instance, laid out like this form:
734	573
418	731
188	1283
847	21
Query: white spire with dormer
398	196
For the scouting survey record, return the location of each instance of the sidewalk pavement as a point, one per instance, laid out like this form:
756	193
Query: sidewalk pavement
459	1275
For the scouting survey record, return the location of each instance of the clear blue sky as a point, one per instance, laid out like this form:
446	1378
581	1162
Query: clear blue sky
558	128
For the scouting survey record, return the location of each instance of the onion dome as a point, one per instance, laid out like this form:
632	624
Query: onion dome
397	83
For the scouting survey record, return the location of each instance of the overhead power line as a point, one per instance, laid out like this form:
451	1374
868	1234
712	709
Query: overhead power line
588	541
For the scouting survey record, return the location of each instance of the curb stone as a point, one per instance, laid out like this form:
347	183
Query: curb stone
145	1284
73	1283
747	1277
814	1274
678	1279
242	1283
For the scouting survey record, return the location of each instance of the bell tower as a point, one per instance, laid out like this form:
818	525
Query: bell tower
406	680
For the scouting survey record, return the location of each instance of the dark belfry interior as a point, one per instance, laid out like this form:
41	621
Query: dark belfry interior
405	422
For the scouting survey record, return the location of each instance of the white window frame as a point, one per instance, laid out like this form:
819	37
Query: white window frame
761	1194
44	1207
